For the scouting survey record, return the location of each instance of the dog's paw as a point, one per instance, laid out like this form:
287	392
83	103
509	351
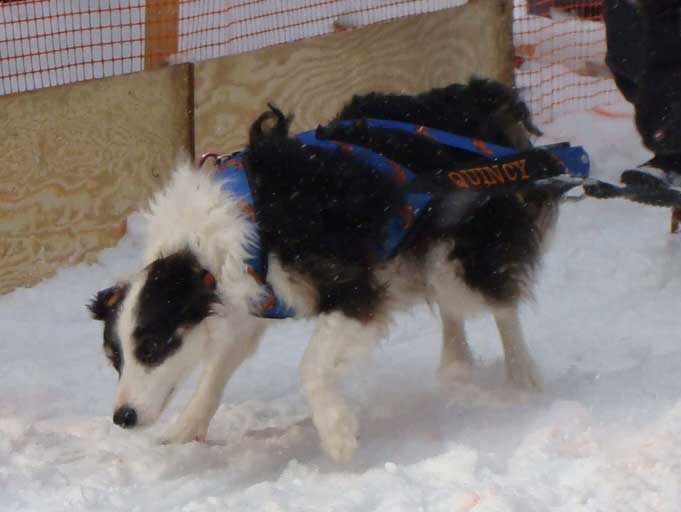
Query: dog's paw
522	373
337	427
184	432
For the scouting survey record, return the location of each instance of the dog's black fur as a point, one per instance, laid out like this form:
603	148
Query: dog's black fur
175	296
484	109
420	154
323	212
105	307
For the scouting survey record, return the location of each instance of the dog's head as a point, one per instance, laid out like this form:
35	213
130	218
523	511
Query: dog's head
155	332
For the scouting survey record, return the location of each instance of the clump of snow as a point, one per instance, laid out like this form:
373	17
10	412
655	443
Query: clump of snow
604	435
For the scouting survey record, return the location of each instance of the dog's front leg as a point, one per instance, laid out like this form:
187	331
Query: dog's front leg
337	340
221	362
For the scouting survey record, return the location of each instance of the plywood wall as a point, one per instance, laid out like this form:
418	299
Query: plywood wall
313	78
77	160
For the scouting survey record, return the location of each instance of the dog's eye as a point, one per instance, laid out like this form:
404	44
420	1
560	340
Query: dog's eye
152	351
148	351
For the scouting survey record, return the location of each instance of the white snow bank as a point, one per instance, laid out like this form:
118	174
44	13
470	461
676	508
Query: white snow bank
605	435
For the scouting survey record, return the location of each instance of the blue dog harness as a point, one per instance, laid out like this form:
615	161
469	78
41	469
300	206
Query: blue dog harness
233	176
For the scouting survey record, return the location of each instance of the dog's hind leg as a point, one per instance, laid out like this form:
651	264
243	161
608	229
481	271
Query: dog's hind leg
456	360
337	340
455	302
192	424
520	368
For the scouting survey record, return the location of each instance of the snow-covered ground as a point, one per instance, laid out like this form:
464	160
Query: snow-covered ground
604	435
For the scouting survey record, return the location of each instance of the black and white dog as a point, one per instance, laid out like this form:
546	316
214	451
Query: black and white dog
319	214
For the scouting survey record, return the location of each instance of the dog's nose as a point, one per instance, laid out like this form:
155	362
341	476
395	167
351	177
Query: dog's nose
125	417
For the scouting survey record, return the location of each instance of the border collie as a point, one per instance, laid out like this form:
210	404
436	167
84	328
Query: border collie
319	213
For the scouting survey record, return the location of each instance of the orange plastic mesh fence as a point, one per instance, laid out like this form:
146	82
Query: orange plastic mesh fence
46	43
56	42
560	56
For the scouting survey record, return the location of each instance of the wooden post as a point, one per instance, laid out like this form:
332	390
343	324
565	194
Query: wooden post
160	32
161	28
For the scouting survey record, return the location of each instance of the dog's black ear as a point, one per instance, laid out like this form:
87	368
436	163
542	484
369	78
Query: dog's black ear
106	301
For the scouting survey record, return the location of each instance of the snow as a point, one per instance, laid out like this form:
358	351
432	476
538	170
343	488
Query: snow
604	435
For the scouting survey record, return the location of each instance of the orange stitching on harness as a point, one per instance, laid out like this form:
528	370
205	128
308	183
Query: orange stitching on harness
407	215
234	162
258	278
477	143
398	172
423	132
247	209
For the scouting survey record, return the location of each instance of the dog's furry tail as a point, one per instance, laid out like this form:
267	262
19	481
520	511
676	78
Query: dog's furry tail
271	124
523	113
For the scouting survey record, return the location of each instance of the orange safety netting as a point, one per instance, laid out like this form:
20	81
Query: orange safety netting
47	43
560	56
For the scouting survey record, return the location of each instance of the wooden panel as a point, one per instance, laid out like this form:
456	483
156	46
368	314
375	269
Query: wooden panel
77	160
313	78
160	32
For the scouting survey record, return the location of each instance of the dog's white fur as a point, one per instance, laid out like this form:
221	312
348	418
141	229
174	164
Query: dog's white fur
195	211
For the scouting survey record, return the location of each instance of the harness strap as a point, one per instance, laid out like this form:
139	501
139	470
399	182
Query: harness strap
234	178
574	159
235	181
414	203
471	145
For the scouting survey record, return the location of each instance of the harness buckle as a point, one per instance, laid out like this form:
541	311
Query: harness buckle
208	156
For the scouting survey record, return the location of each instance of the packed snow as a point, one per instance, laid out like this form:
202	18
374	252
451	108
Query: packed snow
603	435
